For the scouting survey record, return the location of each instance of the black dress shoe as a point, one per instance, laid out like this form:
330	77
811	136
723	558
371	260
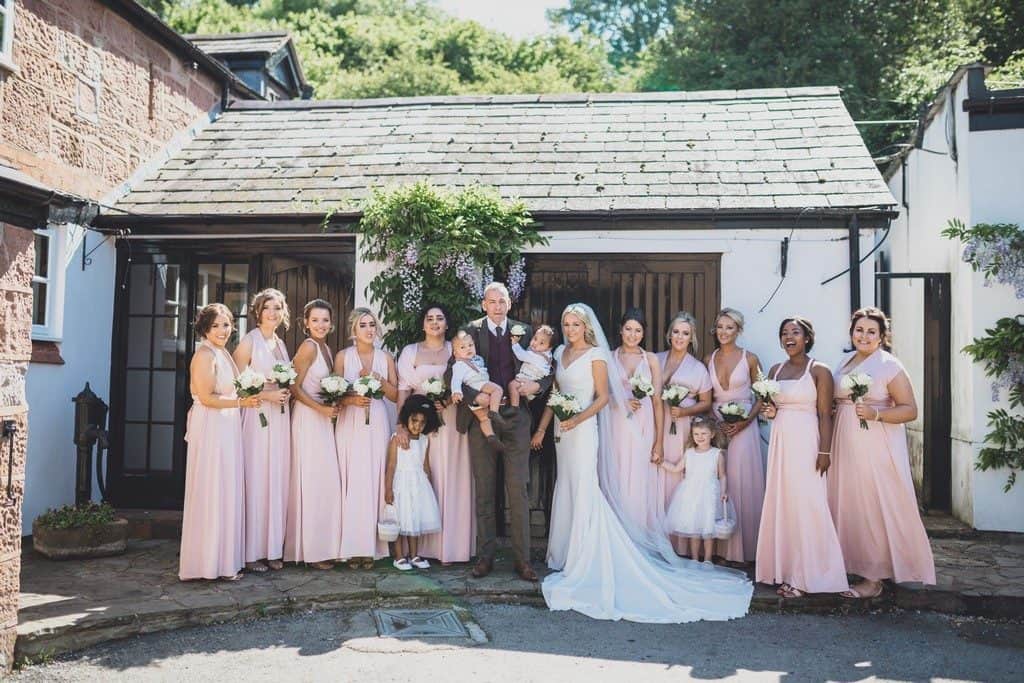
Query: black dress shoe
509	412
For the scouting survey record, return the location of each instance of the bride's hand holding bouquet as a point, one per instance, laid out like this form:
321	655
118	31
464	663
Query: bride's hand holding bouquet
566	408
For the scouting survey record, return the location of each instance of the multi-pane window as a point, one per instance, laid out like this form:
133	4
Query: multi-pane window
48	285
6	33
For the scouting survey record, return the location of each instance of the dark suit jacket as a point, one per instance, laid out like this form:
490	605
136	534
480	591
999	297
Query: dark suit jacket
480	333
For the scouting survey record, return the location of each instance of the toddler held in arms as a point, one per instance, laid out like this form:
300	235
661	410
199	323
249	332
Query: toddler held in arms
469	370
536	361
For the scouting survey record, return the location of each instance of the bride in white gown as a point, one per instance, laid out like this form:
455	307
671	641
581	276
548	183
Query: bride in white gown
605	567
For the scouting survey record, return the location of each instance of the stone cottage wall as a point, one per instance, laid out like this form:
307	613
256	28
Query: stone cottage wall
93	97
17	257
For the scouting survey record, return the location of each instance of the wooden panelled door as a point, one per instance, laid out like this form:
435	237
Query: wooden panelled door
660	284
304	277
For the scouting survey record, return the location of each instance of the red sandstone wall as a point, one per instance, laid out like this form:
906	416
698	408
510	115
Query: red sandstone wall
93	97
17	255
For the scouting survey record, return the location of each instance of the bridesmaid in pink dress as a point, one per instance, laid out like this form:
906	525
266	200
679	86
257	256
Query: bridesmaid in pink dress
313	532
871	491
679	367
797	546
213	522
451	473
638	430
363	448
267	449
733	371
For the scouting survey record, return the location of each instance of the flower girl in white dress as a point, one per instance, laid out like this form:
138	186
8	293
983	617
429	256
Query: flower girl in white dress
695	503
407	483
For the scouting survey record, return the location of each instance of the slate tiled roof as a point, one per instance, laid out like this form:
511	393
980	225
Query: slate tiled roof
266	43
751	150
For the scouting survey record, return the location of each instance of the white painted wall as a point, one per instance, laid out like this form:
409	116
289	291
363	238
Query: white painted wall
981	185
88	319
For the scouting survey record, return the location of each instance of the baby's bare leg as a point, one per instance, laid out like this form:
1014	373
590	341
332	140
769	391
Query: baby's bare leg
495	393
513	393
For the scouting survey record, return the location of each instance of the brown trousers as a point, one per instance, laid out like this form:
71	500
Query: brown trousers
515	435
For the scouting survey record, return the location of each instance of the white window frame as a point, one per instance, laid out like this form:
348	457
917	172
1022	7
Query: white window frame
7	37
53	330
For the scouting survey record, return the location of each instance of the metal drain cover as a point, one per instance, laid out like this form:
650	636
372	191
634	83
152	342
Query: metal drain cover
419	623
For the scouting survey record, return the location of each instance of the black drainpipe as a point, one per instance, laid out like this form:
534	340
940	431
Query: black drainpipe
224	90
854	237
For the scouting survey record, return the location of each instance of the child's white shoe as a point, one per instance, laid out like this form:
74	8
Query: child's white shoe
402	565
420	563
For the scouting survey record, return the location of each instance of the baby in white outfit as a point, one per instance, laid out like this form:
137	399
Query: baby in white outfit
535	361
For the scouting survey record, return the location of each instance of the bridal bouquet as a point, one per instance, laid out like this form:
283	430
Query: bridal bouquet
284	376
858	384
564	406
732	412
332	390
765	390
370	387
674	395
250	383
436	390
641	387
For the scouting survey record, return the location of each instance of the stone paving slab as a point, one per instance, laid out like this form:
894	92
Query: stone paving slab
70	605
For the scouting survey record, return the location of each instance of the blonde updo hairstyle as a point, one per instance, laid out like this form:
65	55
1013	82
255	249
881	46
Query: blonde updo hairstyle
261	299
577	310
685	317
356	315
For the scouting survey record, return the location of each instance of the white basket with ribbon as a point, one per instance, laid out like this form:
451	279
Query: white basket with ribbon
387	527
725	525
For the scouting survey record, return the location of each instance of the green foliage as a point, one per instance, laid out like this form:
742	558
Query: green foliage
997	251
627	26
386	48
90	515
438	246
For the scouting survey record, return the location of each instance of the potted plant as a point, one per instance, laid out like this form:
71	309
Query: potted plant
80	531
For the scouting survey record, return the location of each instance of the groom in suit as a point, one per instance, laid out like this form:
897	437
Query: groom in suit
493	339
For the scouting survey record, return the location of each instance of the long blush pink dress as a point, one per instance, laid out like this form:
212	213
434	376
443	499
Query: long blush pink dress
313	533
744	465
797	543
213	522
691	374
642	495
871	492
450	470
267	460
362	454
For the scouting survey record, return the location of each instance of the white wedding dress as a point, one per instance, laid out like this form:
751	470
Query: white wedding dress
603	569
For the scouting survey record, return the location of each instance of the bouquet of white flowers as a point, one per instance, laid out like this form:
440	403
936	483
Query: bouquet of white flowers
564	406
332	390
641	388
284	376
370	387
436	390
250	383
858	384
732	412
674	395
765	389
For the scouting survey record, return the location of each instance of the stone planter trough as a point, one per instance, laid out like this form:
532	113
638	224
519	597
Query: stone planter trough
82	542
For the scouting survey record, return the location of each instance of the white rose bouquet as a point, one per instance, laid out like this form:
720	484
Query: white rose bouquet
641	388
564	406
370	387
674	395
858	384
284	376
732	412
765	389
332	390
436	390
250	383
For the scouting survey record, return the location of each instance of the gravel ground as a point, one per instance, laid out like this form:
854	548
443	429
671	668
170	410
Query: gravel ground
533	644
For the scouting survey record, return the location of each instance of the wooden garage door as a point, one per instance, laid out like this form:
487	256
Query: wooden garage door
660	284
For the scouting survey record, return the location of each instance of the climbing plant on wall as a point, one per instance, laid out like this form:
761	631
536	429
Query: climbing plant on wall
997	251
441	246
